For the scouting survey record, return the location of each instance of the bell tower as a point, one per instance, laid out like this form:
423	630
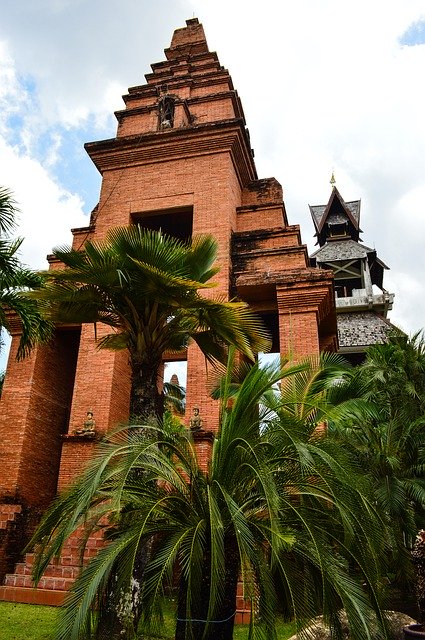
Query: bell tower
362	303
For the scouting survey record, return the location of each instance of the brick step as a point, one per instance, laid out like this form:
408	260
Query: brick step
69	557
242	616
74	547
32	596
74	559
46	582
8	513
10	509
53	570
75	538
92	543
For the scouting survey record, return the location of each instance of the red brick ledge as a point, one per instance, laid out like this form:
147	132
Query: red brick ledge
24	595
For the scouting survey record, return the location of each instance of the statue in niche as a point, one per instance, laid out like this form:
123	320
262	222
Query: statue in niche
89	426
166	112
195	420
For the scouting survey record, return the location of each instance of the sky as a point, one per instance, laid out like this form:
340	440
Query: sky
326	85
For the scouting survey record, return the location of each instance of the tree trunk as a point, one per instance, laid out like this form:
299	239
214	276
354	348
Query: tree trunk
146	402
224	630
191	626
145	405
109	625
221	627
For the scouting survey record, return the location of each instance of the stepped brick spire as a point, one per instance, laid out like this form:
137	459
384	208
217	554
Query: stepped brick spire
181	161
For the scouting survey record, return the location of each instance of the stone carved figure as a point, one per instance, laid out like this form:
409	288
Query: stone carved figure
166	112
195	420
89	426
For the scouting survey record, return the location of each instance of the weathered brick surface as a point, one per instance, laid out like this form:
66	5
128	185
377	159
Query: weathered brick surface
34	414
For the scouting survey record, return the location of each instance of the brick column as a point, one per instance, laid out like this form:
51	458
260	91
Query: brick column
298	332
197	393
102	385
34	415
306	309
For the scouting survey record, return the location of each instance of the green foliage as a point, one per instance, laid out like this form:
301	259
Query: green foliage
8	211
148	288
279	505
15	280
385	437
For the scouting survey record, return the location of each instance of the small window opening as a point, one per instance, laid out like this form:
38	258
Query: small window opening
338	230
175	377
172	222
271	322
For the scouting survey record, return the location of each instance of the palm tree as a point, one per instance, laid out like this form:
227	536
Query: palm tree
395	370
278	507
387	438
145	286
15	279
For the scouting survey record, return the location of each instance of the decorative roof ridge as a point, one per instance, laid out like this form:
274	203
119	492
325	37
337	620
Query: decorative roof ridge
336	194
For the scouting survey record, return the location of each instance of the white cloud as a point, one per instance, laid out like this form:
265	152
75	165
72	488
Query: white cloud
47	211
325	85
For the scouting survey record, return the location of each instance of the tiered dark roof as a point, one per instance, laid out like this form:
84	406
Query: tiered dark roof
361	329
337	211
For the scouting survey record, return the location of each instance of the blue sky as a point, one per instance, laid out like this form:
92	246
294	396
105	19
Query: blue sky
327	85
414	34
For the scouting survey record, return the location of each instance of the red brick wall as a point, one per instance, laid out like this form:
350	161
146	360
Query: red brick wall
102	385
35	410
251	219
298	333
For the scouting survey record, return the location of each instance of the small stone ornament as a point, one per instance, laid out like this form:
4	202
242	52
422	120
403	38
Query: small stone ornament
89	427
195	420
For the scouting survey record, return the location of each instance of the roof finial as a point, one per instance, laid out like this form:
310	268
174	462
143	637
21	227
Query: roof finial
332	180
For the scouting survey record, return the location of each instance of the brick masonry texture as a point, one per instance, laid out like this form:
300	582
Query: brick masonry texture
198	163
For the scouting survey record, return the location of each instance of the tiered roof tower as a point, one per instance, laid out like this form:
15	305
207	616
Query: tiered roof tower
362	303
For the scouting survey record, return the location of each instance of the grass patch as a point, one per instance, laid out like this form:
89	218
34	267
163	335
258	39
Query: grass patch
34	622
284	630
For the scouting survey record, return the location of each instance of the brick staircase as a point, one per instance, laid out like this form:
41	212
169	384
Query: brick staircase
56	580
243	606
8	513
61	573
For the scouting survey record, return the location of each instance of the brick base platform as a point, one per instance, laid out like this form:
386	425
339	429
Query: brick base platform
24	595
56	580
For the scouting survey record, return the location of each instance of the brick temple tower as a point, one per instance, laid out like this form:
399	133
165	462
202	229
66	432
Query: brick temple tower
181	161
361	308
